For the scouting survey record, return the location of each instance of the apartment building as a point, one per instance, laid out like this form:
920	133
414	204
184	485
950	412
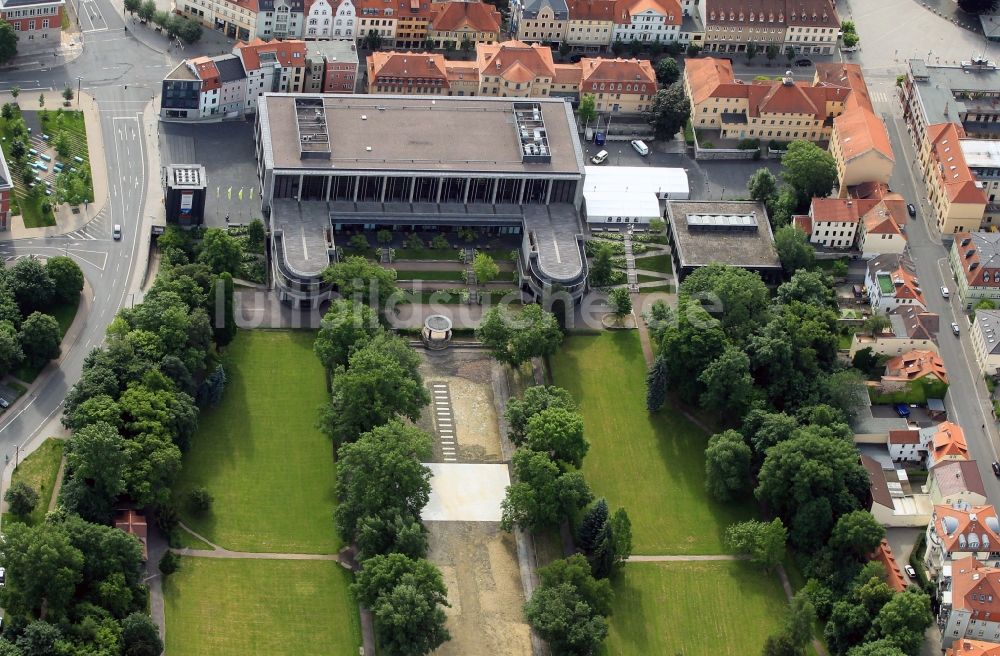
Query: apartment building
956	196
891	282
782	110
624	86
37	23
647	20
513	69
591	25
324	20
204	88
970	598
982	156
237	19
376	16
6	189
278	66
453	23
871	225
805	26
331	67
975	262
961	531
965	94
985	337
541	21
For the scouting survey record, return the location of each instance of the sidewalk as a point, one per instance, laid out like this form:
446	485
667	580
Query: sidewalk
66	220
70	47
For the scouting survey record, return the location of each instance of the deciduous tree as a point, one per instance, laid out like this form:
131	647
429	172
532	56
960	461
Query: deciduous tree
8	42
485	268
727	466
543	496
810	170
729	388
40	338
515	339
857	534
362	281
66	276
667	71
31	284
140	637
535	399
763	542
345	327
220	252
669	111
21	498
43	569
559	433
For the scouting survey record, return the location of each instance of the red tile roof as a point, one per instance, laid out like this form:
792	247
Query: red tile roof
955	525
979	257
405	65
975	586
914	365
705	74
893	575
133	523
803	222
515	61
957	179
859	131
669	9
965	647
949	442
207	72
596	71
290	54
592	10
904	436
455	16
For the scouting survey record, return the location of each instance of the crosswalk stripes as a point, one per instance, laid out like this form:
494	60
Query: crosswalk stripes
444	420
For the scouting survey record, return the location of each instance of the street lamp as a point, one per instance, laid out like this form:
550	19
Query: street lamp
78	80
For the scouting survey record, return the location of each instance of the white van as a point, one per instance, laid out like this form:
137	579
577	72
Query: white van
599	157
640	147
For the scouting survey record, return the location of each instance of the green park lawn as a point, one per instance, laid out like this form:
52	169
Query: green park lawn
454	276
658	263
722	608
652	465
226	607
259	453
39	471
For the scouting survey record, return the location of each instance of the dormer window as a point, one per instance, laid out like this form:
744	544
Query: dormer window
751	16
732	15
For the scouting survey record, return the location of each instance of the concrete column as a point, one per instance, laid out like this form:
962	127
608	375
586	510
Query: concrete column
385	183
413	188
300	188
548	192
440	189
493	196
329	187
468	183
357	183
520	193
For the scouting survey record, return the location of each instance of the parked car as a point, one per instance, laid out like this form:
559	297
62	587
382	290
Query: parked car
853	48
4	403
803	62
996	468
911	209
116	232
944	292
955	329
3	576
599	157
640	147
902	410
912	573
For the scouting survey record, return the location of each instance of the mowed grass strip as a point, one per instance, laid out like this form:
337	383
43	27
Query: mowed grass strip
224	607
259	453
39	470
652	465
722	608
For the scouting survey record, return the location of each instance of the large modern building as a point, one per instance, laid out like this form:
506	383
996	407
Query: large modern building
330	162
965	94
737	233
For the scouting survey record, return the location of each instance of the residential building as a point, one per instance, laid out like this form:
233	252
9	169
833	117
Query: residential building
955	195
975	262
6	191
345	21
985	336
513	69
910	327
37	23
944	441
378	17
970	598
805	26
911	367
647	20
625	86
412	21
274	67
456	22
890	282
332	67
204	88
327	163
859	141
904	445
237	19
957	481
893	575
319	19
964	647
591	24
892	502
736	233
541	21
782	110
961	531
982	156
965	94
880	231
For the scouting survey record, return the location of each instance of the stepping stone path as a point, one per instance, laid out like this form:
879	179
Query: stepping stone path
444	420
630	275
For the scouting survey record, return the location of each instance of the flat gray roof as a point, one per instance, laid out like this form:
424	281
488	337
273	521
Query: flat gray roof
936	87
181	72
735	246
303	239
555	229
416	134
341	51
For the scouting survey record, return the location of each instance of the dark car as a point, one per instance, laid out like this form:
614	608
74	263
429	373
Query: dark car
903	410
911	210
996	468
803	62
575	58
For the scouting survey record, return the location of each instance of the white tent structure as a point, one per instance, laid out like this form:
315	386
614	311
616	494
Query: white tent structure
630	194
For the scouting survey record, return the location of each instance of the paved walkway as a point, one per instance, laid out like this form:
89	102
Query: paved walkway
252	555
690	558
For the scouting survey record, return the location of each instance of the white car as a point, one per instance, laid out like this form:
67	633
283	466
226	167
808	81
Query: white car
599	157
944	292
3	576
116	232
640	147
955	329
